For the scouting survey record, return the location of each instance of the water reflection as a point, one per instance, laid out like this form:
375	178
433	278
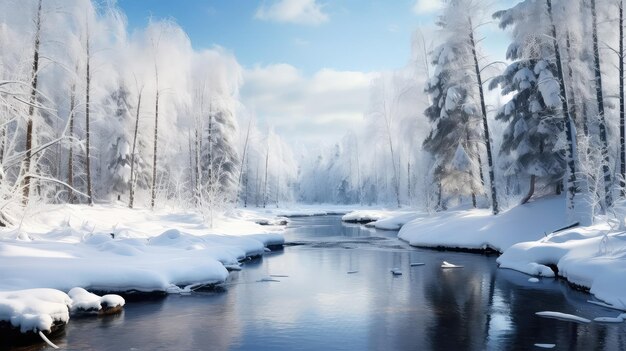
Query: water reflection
317	305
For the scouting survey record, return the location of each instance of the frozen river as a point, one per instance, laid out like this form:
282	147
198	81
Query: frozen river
335	291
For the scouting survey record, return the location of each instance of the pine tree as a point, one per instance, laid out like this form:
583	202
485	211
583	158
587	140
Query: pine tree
454	112
534	121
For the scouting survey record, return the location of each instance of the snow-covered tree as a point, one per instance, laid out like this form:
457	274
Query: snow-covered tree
534	137
454	113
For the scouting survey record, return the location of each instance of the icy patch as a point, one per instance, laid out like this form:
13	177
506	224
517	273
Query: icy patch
617	319
533	280
449	265
546	346
562	316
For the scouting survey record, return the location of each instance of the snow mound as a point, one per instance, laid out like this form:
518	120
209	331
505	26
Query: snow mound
395	221
479	229
590	257
34	309
365	216
84	301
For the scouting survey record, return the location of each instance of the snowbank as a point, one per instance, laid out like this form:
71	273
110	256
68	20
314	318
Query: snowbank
365	216
588	257
396	220
479	229
113	248
84	301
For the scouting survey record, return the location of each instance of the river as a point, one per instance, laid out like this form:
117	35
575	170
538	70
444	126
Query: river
335	291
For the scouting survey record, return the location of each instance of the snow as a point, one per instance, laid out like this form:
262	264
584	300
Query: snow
617	319
480	229
562	316
34	310
533	280
546	346
363	216
83	300
113	248
382	219
592	256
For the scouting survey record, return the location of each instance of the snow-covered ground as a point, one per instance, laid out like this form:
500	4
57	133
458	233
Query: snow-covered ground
57	248
113	248
480	229
382	218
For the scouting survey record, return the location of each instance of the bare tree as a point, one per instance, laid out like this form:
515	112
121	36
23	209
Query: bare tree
87	120
131	199
479	82
569	130
600	100
156	137
31	108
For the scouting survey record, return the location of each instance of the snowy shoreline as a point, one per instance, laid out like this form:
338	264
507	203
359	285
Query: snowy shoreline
537	239
113	249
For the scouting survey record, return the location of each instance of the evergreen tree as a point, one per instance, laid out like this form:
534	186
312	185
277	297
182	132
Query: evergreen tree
535	124
454	112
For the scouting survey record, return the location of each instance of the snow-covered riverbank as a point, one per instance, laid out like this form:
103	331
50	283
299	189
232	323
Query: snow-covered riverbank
113	248
591	257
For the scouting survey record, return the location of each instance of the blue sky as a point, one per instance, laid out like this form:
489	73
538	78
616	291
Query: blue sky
357	35
307	63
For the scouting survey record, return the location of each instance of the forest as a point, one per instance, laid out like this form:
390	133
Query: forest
92	112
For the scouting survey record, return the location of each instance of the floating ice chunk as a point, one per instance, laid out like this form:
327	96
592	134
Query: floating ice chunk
267	280
396	271
562	316
449	265
415	264
617	319
546	346
533	280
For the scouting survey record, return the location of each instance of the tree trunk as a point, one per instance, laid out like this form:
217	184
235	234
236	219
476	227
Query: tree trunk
210	141
133	179
622	127
267	158
492	176
70	160
600	100
531	190
31	108
87	121
571	138
156	140
198	170
572	96
243	160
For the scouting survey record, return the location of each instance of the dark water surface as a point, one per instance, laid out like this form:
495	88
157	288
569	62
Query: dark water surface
314	304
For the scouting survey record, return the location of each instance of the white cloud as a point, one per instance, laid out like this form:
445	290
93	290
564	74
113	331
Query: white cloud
308	12
313	109
422	7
